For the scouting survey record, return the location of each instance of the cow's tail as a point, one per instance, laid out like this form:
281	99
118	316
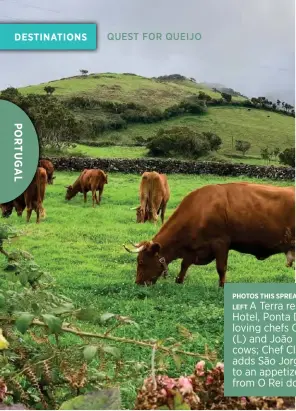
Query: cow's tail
38	184
41	181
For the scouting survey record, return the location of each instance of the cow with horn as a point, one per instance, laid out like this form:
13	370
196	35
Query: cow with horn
249	218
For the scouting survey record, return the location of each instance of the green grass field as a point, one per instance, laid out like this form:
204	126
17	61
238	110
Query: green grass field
235	123
81	150
108	152
82	248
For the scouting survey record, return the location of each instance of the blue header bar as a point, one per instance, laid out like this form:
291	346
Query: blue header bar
48	36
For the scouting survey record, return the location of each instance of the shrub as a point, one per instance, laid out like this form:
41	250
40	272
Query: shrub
49	90
214	140
287	157
171	77
81	102
178	141
202	390
203	96
11	94
193	107
173	111
226	97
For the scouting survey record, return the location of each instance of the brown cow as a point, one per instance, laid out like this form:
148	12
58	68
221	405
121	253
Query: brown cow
89	180
49	169
34	194
19	205
154	196
249	218
32	198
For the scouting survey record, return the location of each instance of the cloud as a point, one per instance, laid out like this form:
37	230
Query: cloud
246	45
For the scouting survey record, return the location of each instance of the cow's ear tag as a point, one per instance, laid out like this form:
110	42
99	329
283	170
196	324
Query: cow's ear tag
19	151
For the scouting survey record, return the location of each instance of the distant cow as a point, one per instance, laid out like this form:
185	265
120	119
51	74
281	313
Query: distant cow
32	198
249	218
48	166
19	204
89	180
35	193
154	196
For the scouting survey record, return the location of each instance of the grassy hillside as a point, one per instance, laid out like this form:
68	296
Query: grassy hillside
261	128
125	87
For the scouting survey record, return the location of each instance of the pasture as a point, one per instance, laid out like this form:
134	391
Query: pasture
82	248
259	127
82	150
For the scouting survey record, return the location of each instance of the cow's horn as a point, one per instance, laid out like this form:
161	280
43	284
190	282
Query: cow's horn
137	250
133	208
134	245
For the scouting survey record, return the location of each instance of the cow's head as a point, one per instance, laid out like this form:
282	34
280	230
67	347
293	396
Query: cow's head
150	264
19	208
50	179
141	215
69	193
6	209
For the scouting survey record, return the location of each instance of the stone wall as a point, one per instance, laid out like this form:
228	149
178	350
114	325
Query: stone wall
170	166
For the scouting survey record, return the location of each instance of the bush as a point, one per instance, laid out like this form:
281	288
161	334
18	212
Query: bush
226	97
193	107
173	111
54	122
178	141
203	96
49	90
202	390
214	140
287	157
81	102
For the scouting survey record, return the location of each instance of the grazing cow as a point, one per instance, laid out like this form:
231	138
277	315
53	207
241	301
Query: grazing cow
48	166
19	204
89	180
32	198
154	196
249	218
34	194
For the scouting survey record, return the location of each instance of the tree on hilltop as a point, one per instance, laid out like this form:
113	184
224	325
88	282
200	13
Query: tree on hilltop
49	90
83	72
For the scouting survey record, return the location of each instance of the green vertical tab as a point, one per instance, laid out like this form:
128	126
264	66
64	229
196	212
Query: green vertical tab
19	151
260	339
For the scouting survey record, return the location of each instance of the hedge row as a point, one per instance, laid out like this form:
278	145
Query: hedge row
170	166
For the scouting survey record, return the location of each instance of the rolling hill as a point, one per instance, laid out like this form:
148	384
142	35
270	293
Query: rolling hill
261	128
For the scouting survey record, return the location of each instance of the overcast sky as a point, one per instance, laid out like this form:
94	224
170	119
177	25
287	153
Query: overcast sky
248	45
